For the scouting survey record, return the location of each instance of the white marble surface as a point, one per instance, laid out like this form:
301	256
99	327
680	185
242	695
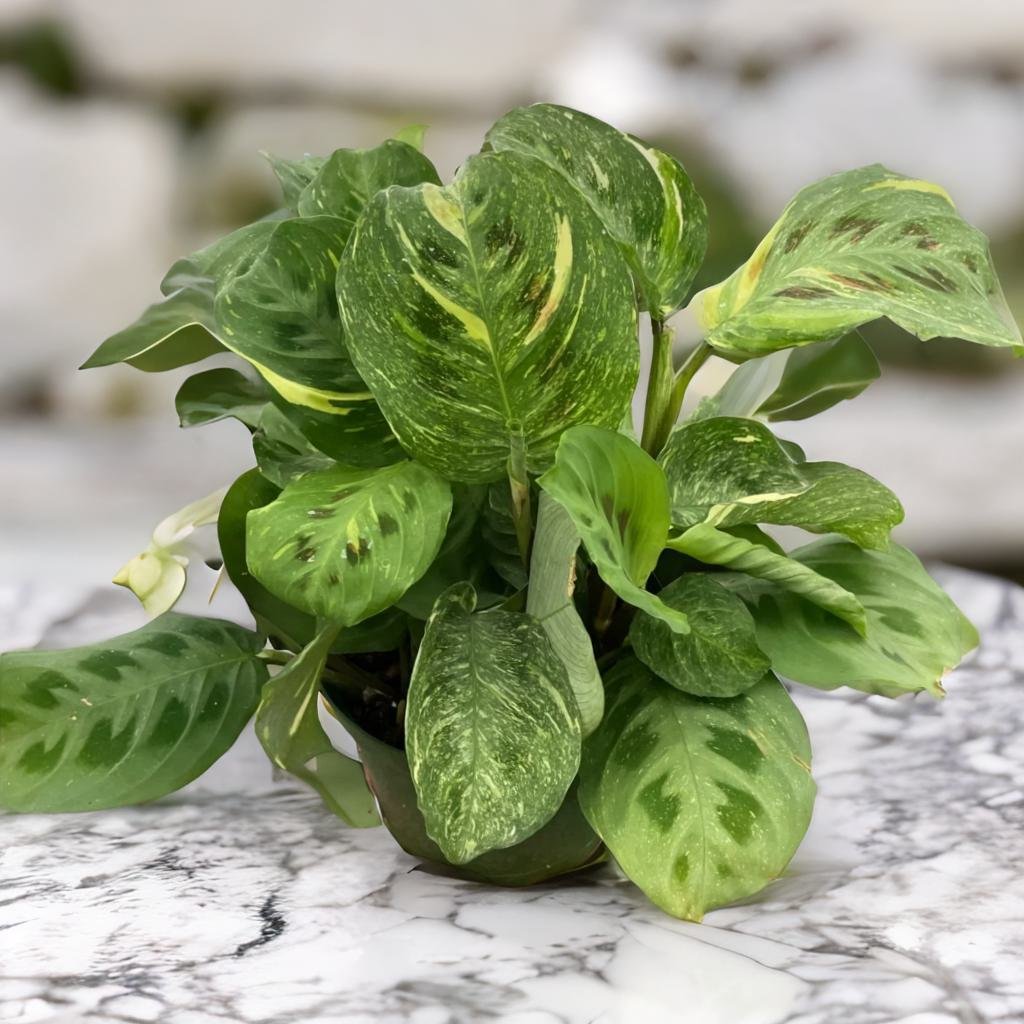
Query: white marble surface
240	900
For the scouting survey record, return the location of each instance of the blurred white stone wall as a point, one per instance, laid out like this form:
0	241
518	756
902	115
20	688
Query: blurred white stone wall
156	151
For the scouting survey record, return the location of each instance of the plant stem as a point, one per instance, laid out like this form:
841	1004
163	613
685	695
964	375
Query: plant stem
694	361
519	482
605	610
659	384
272	657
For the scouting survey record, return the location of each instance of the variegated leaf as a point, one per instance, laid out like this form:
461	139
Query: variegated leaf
126	720
719	657
294	175
345	544
849	249
283	453
730	471
701	802
492	729
288	726
915	633
643	196
491	312
617	497
708	544
550	601
221	394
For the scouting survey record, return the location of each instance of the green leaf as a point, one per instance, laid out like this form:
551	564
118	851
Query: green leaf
127	720
282	451
349	179
550	601
852	248
643	196
617	497
915	633
412	135
729	471
716	547
701	802
181	329
748	387
719	657
288	726
492	727
219	394
294	175
345	544
493	311
284	623
498	533
820	376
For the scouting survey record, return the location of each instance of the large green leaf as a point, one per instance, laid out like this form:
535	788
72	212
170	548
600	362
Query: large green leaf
219	394
345	544
285	624
852	248
708	544
730	471
618	499
643	196
702	802
493	312
915	633
492	729
126	720
818	376
349	178
288	726
550	601
719	657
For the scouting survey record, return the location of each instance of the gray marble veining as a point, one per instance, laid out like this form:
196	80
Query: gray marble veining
239	899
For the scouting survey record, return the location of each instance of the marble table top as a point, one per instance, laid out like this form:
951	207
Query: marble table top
239	899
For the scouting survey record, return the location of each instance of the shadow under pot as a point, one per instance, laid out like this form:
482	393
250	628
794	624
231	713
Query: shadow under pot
564	845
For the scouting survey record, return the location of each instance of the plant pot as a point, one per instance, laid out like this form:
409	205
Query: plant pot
565	844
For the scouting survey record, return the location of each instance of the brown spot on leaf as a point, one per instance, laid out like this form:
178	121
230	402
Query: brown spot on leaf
800	291
858	228
796	236
306	554
932	278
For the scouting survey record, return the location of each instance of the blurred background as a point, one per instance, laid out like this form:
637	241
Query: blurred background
131	135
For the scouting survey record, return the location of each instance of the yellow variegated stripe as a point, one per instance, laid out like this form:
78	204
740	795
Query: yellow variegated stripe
493	309
642	195
852	248
337	403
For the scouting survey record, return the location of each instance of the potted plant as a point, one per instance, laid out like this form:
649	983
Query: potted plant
552	639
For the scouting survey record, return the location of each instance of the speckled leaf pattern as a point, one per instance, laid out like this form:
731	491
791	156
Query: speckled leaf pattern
708	544
915	633
294	175
288	726
730	471
819	376
849	249
617	497
550	601
345	544
282	451
701	802
349	178
719	657
492	730
126	720
221	394
642	195
491	310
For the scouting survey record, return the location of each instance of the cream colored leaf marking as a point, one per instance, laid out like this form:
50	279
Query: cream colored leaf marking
559	282
309	398
912	185
445	212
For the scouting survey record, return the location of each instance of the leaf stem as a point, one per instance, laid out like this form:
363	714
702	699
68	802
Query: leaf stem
275	657
659	383
694	361
519	483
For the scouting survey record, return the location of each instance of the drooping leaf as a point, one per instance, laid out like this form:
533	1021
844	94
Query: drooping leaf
126	720
285	624
181	329
157	575
708	544
643	196
345	544
719	657
494	310
294	175
550	601
283	453
729	471
701	802
219	394
492	727
288	726
819	376
746	389
849	249
617	497
915	633
349	178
